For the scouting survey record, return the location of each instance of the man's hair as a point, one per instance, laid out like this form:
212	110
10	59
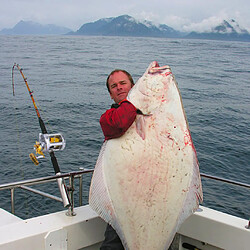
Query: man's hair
119	70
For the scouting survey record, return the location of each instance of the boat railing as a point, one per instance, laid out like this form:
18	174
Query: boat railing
70	188
236	183
72	176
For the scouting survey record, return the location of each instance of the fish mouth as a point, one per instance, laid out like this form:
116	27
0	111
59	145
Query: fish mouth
155	68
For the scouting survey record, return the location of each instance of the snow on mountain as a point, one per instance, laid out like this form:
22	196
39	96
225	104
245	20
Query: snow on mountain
226	30
229	27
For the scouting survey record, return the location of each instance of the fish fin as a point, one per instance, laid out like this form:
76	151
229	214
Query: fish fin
140	126
99	198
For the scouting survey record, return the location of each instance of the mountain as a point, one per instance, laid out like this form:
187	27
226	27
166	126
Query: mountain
227	30
32	28
126	26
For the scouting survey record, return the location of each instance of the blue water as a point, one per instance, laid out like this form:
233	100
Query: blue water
67	75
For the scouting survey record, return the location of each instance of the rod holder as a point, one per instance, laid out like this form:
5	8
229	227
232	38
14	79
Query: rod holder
63	191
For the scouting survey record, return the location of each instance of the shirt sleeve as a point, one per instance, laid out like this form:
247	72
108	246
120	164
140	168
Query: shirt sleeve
116	121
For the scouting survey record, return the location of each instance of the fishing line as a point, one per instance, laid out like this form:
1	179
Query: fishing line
16	121
21	167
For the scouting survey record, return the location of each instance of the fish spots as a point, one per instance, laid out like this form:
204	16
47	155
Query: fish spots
149	202
151	126
163	98
170	137
127	145
149	198
142	228
186	190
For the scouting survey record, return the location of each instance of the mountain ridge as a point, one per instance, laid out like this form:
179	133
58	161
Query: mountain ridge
34	28
126	25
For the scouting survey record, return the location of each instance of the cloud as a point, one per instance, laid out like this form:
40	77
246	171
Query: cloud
207	24
176	22
145	15
204	26
188	24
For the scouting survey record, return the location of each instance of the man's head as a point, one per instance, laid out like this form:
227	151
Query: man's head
119	82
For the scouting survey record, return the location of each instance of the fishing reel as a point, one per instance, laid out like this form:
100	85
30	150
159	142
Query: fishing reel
47	143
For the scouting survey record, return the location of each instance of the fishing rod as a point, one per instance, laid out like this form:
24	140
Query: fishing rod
47	142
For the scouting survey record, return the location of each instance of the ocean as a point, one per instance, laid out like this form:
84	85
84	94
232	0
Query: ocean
67	75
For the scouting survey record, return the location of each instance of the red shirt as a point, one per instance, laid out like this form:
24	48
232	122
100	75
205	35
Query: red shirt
116	121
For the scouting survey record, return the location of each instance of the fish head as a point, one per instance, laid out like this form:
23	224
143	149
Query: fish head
150	91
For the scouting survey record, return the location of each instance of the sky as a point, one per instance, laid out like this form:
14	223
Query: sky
184	15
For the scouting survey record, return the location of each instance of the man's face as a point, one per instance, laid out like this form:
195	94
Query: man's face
119	86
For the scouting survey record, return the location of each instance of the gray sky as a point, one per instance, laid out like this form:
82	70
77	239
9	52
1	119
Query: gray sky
184	15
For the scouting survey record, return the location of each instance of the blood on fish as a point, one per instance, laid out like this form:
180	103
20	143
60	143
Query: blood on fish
167	74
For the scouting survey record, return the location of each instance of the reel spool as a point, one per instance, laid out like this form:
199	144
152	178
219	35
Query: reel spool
47	143
54	142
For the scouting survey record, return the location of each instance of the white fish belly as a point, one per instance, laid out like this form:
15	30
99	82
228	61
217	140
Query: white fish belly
146	186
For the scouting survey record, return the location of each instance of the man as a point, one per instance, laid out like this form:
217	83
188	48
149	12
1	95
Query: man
114	123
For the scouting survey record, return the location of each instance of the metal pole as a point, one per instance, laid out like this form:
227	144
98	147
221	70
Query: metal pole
71	191
237	183
80	187
50	196
41	179
12	201
80	190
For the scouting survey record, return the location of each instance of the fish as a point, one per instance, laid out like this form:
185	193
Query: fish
146	183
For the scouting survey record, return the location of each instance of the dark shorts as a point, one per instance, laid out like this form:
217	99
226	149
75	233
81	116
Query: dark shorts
112	240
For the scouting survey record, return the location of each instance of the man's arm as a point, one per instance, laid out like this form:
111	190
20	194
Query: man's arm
116	121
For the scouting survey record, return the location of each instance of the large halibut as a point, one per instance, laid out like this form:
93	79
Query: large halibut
147	182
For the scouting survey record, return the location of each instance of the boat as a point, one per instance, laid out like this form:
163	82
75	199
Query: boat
81	228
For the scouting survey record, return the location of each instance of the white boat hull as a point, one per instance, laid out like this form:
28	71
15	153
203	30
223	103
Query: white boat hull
205	229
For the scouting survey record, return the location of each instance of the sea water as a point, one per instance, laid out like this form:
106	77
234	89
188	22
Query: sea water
67	75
